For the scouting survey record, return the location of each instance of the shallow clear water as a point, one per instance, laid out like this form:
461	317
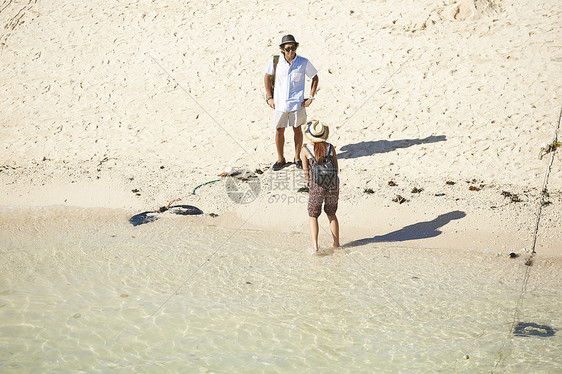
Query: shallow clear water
84	290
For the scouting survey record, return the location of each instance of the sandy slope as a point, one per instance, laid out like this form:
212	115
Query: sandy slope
102	98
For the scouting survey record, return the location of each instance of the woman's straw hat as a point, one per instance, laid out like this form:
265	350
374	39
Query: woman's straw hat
316	132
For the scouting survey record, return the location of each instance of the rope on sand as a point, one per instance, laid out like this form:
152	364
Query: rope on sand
529	261
202	184
544	190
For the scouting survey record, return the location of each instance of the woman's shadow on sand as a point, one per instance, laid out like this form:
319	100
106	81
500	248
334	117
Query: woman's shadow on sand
383	146
421	230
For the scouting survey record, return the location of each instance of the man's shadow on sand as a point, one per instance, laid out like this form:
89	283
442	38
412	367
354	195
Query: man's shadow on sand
383	146
421	230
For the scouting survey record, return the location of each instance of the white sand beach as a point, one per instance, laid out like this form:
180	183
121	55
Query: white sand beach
105	98
125	106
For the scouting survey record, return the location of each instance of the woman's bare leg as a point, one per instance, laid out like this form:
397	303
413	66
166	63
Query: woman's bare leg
335	229
313	224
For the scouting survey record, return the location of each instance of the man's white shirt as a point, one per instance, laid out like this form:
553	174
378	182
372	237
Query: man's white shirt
289	82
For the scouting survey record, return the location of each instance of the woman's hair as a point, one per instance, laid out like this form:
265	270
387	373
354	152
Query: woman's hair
320	150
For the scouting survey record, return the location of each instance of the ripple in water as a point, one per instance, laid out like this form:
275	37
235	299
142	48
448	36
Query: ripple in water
178	295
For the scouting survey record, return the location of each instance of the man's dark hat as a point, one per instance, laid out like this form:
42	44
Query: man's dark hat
288	39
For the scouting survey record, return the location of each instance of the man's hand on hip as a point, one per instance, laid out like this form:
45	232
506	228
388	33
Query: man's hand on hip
307	102
271	103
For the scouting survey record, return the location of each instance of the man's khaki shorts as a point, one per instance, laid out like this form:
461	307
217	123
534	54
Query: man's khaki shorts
286	119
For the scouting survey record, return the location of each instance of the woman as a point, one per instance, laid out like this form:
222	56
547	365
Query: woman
327	193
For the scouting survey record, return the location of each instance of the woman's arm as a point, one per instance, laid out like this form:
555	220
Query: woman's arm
304	159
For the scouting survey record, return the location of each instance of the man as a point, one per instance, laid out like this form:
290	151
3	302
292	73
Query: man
287	99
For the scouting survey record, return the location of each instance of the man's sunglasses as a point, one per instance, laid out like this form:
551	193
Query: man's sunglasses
290	49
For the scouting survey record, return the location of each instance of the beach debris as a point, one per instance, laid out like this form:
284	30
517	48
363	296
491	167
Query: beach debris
533	329
416	190
228	171
123	295
466	357
144	217
399	199
392	184
135	190
513	197
450	183
213	215
162	209
248	282
529	262
185	210
243	175
151	216
513	255
105	159
258	171
209	182
439	194
369	191
547	148
544	196
475	182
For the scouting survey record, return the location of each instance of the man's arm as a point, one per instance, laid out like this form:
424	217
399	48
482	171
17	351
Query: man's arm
313	87
268	93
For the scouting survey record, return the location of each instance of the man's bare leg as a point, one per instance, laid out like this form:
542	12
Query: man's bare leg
280	143
298	142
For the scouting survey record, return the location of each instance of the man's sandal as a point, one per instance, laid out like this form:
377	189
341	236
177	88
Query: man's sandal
278	165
